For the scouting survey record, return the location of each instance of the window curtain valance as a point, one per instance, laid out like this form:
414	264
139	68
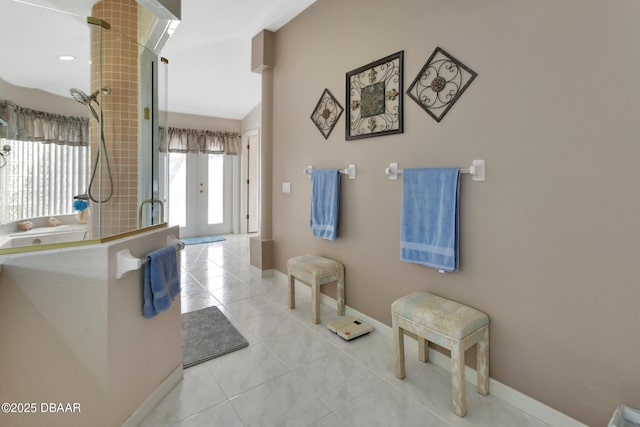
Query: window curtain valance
26	124
199	141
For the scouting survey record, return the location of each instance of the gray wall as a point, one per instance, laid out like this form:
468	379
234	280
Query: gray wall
252	120
549	243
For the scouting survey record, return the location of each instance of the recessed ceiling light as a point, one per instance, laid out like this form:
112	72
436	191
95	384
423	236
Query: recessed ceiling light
66	58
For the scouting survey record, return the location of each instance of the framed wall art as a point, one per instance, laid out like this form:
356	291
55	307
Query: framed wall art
440	83
326	114
374	98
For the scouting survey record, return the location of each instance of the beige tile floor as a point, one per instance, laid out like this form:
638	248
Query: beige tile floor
296	373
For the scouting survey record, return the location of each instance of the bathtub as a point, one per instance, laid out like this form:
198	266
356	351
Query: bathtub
44	235
99	350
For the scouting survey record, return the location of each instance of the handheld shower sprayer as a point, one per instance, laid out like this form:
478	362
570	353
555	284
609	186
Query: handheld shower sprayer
85	99
80	96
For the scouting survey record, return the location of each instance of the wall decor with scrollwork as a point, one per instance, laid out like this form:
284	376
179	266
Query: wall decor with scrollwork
374	98
326	114
439	84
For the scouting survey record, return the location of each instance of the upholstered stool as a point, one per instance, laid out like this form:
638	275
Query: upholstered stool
449	324
315	271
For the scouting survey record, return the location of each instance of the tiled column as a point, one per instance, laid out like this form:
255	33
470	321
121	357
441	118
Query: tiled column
119	61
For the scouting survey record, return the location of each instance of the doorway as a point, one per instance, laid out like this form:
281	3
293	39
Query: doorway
200	193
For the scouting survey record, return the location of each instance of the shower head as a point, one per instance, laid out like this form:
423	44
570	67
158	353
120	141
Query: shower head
85	99
82	97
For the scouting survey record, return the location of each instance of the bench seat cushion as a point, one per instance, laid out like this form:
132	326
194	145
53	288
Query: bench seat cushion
312	268
439	314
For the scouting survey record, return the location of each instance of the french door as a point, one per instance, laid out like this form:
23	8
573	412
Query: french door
200	193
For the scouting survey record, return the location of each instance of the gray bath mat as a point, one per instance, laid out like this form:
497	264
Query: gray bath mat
207	334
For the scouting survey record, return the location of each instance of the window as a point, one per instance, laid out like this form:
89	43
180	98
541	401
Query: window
41	179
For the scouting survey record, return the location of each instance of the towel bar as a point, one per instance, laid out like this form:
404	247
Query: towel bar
477	170
126	262
350	171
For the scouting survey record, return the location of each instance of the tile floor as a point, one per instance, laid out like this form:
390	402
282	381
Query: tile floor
296	373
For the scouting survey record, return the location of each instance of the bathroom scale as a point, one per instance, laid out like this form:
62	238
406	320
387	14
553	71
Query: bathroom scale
349	327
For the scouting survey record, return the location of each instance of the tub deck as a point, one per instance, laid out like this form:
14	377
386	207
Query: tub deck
44	235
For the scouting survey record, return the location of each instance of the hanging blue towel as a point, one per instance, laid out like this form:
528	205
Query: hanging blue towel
325	198
429	228
161	281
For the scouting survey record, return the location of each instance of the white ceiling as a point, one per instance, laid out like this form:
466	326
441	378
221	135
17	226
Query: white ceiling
209	54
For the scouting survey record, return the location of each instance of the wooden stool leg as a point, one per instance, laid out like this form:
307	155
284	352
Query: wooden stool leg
292	292
457	380
341	296
423	350
315	302
483	362
398	338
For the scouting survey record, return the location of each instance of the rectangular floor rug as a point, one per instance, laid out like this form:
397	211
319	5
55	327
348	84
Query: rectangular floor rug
207	334
202	239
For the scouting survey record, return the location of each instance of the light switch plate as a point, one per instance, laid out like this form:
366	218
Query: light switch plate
286	187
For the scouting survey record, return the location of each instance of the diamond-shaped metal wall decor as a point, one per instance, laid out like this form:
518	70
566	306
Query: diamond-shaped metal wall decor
440	83
326	114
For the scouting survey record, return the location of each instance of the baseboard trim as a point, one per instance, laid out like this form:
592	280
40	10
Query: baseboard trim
521	401
154	398
262	273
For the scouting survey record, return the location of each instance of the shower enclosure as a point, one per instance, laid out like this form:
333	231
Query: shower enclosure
69	304
110	179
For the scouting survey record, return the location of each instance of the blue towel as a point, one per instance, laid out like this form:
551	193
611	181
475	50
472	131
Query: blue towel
429	228
325	198
161	281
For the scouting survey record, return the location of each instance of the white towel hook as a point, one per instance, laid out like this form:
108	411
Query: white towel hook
126	262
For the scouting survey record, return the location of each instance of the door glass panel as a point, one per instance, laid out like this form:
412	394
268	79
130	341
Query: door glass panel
200	190
216	189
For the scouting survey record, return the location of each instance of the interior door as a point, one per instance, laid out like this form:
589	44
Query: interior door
200	193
